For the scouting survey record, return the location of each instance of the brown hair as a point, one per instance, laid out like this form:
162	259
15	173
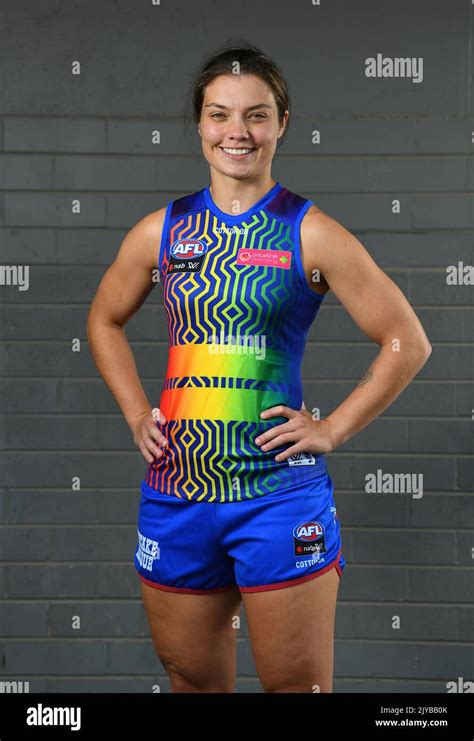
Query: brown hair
252	61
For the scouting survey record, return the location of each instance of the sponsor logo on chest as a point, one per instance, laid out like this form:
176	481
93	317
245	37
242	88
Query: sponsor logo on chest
266	258
186	256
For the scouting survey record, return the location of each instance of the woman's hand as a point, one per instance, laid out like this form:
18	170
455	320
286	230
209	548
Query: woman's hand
146	433
309	435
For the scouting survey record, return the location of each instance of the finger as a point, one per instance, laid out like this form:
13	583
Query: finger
146	453
273	431
298	448
150	445
278	411
281	440
156	434
158	415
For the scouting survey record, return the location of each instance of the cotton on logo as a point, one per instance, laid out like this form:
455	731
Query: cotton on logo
308	531
188	249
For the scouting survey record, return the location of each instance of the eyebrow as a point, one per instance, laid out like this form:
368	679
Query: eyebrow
251	108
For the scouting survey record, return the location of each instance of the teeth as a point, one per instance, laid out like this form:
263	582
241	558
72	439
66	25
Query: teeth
237	151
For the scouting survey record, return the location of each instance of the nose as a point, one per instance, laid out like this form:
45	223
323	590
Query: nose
237	128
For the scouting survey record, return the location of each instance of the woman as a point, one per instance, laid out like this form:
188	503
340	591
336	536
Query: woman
237	502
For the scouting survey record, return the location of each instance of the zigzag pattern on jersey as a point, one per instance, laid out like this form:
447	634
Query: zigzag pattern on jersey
212	400
209	461
216	382
210	297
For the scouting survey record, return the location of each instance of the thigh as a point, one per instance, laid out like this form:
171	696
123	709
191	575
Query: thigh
292	634
195	637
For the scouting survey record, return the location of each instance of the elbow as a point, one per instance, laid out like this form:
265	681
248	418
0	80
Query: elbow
89	325
97	320
420	345
425	350
93	321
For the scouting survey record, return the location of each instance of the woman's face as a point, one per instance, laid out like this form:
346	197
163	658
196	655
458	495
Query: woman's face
239	113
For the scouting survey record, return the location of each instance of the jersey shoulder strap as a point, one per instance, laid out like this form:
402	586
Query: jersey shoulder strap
289	206
176	209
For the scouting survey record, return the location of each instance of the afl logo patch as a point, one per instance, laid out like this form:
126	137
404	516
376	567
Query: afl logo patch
188	249
308	531
308	538
186	256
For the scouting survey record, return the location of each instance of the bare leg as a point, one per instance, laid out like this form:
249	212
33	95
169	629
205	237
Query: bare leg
292	634
195	637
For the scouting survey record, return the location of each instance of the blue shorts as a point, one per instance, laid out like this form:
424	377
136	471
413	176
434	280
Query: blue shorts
279	540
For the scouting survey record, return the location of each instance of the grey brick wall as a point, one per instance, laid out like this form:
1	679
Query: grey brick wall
66	553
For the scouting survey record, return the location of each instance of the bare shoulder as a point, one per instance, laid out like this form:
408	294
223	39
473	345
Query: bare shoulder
130	278
327	244
317	226
314	231
142	242
372	299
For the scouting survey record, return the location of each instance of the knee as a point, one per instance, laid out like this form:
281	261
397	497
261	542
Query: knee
197	679
185	683
301	683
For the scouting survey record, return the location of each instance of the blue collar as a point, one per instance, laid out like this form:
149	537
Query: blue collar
235	218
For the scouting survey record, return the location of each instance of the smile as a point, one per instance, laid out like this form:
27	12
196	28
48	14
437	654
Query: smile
238	153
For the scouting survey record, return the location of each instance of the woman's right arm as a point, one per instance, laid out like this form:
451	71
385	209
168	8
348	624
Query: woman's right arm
121	292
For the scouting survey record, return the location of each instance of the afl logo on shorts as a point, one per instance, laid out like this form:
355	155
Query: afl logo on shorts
186	256
308	531
308	538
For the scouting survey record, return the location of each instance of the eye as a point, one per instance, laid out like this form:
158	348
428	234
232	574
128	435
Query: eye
220	115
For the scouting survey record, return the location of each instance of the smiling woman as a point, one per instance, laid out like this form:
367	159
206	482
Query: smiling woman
238	139
239	152
237	501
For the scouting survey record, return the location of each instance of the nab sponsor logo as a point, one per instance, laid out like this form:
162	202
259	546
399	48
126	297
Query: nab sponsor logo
308	538
188	249
186	256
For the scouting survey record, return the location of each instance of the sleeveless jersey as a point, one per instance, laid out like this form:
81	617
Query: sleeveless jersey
238	310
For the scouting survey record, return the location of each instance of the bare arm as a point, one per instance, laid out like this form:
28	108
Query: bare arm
122	290
379	309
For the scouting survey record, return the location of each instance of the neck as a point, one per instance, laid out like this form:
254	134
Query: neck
227	192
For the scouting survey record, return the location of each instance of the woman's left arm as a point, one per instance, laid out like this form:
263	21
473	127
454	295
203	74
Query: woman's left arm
380	310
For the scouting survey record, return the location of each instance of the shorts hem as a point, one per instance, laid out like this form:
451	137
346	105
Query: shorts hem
184	590
299	579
